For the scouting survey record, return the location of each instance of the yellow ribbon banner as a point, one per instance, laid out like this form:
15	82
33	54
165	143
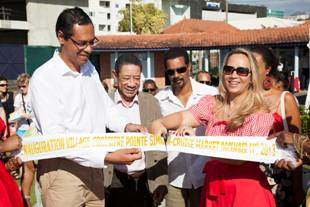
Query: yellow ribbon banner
44	147
256	149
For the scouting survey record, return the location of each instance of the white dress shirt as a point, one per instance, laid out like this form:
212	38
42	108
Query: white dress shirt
184	170
132	113
64	102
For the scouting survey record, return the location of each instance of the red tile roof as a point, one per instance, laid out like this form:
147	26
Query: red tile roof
196	25
211	39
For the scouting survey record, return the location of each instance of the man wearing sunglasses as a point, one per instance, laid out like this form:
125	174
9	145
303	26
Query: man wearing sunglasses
149	86
204	77
185	170
68	98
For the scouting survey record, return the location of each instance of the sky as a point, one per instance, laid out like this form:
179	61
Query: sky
288	6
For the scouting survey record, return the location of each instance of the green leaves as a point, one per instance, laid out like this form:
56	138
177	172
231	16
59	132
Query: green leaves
146	19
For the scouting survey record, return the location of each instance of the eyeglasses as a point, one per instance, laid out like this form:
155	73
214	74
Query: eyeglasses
148	90
171	72
84	44
23	86
205	82
241	71
2	85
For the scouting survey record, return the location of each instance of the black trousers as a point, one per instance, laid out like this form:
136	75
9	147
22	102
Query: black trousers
134	193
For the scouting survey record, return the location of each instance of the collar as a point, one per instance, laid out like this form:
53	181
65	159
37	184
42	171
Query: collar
167	92
118	100
63	69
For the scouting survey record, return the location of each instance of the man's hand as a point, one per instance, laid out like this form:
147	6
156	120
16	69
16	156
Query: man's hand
123	156
159	194
135	128
10	144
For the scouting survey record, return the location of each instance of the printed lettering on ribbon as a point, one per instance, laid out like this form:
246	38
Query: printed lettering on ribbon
257	149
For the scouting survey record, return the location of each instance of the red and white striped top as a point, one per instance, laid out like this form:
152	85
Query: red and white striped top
256	124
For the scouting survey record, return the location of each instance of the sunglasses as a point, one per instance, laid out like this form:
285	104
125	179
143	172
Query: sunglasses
148	90
2	85
171	72
24	86
205	82
241	71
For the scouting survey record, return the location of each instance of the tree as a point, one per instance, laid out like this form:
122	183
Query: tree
146	19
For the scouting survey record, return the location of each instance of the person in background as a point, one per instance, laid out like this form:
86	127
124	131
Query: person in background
286	185
301	144
204	77
238	110
149	86
22	104
105	85
23	108
67	97
144	182
7	98
184	170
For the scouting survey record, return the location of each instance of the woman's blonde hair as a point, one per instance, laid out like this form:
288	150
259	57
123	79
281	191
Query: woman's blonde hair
22	78
254	100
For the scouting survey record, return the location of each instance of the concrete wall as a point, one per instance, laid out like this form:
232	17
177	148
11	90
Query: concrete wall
195	8
42	16
221	16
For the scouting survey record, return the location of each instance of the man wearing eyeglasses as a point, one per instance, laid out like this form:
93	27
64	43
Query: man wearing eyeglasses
68	98
204	77
149	86
144	182
184	170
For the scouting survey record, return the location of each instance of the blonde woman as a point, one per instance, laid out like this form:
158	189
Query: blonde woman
238	110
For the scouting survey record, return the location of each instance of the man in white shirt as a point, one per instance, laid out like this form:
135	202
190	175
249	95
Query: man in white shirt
68	97
184	170
144	182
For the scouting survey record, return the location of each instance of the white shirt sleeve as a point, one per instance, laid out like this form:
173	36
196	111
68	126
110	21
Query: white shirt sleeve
18	101
44	102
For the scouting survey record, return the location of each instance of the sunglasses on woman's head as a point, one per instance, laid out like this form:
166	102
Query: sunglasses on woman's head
241	71
171	72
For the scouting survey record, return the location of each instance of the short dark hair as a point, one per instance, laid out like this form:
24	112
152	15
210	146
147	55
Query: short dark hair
127	59
2	78
203	72
68	18
175	53
149	81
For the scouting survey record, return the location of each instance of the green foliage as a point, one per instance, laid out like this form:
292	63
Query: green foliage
146	19
305	120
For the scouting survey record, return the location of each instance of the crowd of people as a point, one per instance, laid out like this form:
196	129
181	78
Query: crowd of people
66	96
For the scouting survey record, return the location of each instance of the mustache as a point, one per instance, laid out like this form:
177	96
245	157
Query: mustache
176	79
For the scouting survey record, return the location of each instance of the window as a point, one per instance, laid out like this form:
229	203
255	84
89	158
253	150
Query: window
108	15
101	27
109	28
105	4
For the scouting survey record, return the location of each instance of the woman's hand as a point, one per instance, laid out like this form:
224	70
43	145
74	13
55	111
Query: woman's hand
10	144
158	128
13	164
185	131
283	138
